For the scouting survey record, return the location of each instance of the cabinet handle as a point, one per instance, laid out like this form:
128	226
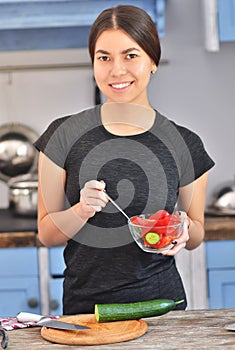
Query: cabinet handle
54	304
33	303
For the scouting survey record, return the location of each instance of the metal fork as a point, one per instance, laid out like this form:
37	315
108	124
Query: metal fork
116	205
4	334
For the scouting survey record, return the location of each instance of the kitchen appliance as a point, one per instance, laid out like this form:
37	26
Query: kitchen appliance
224	199
18	156
18	166
23	194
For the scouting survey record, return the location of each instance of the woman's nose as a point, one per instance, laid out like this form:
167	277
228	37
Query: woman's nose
118	68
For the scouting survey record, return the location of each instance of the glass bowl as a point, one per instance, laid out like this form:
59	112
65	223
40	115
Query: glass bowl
155	233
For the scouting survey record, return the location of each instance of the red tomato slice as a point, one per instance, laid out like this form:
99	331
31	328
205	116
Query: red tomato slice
160	214
167	221
159	222
146	225
164	242
136	220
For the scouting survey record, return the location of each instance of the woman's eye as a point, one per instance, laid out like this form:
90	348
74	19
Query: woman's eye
103	58
131	55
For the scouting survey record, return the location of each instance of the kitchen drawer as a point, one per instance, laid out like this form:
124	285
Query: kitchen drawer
56	261
221	288
220	254
18	262
19	294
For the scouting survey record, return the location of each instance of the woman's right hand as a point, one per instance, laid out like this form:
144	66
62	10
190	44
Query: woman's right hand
92	198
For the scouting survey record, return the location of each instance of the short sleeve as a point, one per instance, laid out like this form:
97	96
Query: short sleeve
52	142
195	161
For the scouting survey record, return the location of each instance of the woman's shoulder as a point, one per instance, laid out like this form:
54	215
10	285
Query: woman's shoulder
87	115
166	124
67	128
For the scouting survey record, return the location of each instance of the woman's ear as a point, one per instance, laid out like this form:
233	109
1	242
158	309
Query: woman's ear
154	69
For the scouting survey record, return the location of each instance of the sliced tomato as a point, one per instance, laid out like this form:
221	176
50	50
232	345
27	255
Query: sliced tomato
146	225
168	221
161	223
160	214
164	242
136	220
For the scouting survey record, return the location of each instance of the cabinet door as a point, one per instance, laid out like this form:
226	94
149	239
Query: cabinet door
221	288
59	24
226	18
56	260
56	294
18	262
19	294
19	288
221	273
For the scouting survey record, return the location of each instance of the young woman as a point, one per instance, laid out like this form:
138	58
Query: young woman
142	159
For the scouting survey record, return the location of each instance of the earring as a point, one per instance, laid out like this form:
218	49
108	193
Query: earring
153	71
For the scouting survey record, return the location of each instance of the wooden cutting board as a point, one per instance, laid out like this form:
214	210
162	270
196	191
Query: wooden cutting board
99	333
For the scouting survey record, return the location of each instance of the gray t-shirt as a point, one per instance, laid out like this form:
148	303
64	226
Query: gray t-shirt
143	173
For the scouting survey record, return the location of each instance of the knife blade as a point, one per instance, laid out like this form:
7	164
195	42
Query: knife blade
230	327
44	321
49	323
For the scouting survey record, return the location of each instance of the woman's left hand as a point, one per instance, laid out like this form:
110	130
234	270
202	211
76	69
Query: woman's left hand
181	242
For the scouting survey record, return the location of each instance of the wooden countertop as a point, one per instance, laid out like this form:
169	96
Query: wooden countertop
219	228
193	329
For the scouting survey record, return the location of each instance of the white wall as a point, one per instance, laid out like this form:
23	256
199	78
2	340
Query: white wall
195	89
37	96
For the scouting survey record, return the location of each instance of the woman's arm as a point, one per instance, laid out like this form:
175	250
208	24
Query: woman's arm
192	200
56	225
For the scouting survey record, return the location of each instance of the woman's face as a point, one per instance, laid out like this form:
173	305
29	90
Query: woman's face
122	69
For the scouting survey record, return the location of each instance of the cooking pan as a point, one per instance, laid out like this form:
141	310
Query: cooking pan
224	199
23	194
17	153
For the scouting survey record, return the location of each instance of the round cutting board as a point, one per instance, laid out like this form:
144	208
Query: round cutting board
99	333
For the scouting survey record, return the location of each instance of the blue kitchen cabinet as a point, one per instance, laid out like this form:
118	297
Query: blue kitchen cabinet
226	20
56	266
19	287
56	294
60	24
220	257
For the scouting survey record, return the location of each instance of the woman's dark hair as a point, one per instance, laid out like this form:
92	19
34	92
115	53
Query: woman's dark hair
132	20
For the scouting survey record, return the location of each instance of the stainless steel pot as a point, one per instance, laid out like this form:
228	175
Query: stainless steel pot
18	156
224	201
23	195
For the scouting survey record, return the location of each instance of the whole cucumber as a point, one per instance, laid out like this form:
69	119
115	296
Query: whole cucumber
134	311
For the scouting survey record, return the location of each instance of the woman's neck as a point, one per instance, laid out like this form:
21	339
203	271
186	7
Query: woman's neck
125	119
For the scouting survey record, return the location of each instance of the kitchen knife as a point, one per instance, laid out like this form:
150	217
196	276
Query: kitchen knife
230	327
43	321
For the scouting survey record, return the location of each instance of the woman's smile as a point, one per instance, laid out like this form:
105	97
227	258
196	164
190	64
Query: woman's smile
120	87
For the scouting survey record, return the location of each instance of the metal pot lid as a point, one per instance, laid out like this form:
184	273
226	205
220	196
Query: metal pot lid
24	181
224	200
17	154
